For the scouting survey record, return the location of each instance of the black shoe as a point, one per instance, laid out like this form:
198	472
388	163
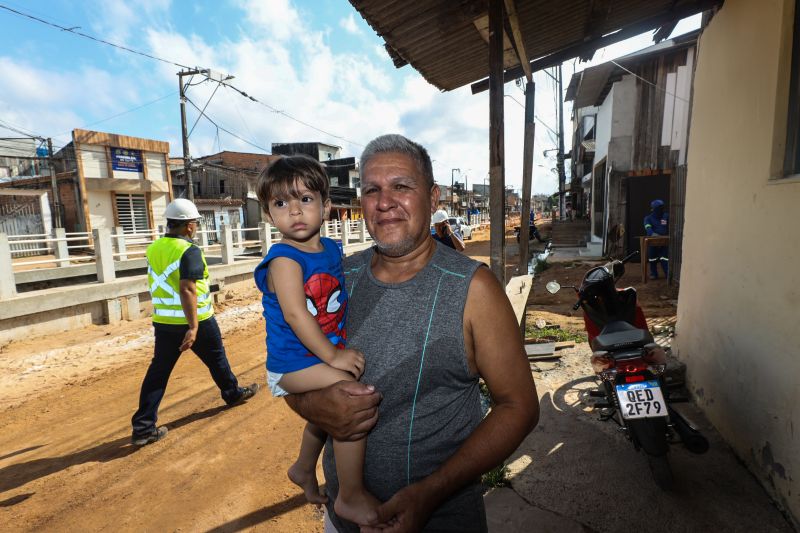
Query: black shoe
247	393
150	438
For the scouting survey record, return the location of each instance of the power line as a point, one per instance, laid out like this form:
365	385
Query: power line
287	115
74	31
225	129
151	102
649	82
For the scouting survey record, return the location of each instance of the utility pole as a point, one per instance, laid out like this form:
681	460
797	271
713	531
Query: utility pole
187	158
452	192
562	178
53	184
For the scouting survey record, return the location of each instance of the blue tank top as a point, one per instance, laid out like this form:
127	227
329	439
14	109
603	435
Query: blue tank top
326	299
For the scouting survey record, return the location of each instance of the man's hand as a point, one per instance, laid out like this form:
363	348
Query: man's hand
188	339
349	360
408	510
346	410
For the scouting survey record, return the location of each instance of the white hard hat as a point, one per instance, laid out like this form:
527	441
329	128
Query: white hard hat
439	216
181	209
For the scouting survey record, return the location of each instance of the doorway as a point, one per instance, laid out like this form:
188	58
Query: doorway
641	190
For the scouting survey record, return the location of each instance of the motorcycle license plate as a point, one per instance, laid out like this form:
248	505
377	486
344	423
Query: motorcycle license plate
641	400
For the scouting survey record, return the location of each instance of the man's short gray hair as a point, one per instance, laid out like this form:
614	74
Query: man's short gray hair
394	143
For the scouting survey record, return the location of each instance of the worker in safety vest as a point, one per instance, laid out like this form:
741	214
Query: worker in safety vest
183	318
657	223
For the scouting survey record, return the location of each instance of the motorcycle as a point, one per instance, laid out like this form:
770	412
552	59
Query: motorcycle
533	233
631	369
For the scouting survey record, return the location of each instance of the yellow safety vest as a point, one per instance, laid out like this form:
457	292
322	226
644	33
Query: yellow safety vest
164	280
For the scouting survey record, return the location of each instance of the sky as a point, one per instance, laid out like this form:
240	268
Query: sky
318	71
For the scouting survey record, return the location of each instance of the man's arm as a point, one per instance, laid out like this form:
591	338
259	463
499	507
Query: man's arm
495	351
458	243
188	292
346	410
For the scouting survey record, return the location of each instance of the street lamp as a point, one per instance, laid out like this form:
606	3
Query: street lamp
452	201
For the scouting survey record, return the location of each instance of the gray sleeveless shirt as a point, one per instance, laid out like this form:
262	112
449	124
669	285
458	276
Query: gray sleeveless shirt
412	337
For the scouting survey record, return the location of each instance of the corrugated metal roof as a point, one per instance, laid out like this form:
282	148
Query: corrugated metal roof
442	40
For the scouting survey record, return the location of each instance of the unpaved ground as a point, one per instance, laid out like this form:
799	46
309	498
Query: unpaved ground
65	459
66	465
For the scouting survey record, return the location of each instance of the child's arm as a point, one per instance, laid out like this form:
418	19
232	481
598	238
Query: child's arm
286	281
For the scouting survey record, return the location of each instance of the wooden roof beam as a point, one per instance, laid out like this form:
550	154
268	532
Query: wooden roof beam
519	46
577	49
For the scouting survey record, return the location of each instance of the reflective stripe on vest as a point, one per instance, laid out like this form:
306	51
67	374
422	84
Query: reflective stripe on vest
164	260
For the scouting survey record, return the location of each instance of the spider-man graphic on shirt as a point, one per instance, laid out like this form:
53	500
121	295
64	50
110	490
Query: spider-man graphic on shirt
325	301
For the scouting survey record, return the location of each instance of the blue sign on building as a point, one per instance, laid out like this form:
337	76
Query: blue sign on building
127	160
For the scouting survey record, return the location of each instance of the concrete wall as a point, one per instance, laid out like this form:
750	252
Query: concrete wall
623	118
738	308
101	210
93	158
159	202
156	166
603	125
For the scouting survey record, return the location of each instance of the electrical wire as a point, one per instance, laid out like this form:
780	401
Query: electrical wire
287	115
649	82
225	129
204	108
150	56
123	112
74	31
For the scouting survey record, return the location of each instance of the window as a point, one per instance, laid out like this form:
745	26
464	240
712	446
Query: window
222	186
791	163
132	213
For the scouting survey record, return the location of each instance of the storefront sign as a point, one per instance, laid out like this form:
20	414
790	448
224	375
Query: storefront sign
127	160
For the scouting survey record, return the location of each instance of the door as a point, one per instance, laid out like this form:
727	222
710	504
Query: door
132	214
599	198
641	190
21	215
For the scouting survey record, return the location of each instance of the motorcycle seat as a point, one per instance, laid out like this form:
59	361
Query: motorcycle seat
621	335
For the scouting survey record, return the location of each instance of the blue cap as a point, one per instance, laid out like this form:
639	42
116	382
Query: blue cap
656	203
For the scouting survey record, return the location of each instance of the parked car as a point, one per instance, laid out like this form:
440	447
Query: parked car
463	229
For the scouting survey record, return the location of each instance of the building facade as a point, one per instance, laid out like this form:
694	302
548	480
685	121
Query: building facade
738	308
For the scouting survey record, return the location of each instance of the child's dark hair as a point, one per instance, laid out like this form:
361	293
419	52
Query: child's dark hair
280	178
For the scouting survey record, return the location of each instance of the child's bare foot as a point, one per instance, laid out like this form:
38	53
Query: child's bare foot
308	482
358	508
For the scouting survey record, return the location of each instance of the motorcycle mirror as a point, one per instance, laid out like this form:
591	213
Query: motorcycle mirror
553	287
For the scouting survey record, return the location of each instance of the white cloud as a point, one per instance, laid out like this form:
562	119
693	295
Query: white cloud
277	19
349	24
118	20
279	59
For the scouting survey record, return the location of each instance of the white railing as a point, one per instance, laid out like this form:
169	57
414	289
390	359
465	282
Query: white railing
108	248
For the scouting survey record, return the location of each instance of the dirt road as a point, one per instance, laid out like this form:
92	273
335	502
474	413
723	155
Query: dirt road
66	463
65	459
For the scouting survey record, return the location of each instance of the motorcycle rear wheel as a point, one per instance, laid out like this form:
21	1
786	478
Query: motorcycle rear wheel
662	473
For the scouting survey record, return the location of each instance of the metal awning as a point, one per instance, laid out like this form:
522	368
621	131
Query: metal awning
446	41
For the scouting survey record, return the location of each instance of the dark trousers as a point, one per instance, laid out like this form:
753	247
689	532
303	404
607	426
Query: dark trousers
656	255
208	347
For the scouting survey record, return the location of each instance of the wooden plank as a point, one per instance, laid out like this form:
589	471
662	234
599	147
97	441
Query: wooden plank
169	176
119	141
564	344
518	43
497	185
82	185
547	348
126	185
527	177
546	357
517	292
